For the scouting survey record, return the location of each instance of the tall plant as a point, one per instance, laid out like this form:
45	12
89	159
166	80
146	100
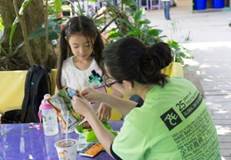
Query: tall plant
44	28
137	27
21	49
133	24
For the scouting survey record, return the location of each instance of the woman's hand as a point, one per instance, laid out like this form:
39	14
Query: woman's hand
81	106
104	112
91	95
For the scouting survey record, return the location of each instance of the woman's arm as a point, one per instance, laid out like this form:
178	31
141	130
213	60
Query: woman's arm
124	106
103	135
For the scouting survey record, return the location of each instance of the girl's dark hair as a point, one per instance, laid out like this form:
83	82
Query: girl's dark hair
87	28
129	59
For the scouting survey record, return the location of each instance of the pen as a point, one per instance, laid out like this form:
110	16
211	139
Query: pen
83	121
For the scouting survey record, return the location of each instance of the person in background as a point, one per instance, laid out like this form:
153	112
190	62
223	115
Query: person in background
80	57
173	122
166	6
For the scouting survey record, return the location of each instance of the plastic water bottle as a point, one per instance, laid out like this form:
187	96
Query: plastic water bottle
49	118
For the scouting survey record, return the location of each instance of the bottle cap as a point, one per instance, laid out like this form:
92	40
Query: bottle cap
45	105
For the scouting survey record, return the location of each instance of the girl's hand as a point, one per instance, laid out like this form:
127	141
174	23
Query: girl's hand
104	112
81	106
91	95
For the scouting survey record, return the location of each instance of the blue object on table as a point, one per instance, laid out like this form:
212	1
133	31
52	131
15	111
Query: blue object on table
218	4
199	4
27	141
71	92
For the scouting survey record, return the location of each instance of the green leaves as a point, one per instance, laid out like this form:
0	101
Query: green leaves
1	29
137	16
55	7
80	9
1	24
140	28
154	32
136	27
89	133
93	1
113	34
58	6
180	53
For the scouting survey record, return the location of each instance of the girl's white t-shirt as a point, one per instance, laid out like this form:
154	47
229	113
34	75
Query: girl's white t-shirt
75	78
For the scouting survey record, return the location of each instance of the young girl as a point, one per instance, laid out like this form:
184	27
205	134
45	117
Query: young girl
80	58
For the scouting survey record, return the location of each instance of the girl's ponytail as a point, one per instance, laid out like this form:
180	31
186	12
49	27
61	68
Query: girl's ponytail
63	55
98	49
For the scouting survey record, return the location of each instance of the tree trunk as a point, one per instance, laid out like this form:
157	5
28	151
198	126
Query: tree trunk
34	18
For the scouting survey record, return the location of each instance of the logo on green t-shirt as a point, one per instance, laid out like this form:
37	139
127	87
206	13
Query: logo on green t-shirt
171	118
186	106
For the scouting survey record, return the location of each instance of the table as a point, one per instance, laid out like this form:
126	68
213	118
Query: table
27	142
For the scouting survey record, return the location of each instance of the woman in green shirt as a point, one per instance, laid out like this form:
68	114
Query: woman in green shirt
173	122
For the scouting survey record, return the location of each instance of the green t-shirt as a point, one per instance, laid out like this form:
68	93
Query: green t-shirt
172	124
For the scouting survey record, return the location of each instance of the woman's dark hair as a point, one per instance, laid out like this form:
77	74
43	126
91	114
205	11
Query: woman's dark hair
87	28
129	59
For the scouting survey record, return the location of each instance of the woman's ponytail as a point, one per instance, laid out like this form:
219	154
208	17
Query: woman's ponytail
161	53
153	60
